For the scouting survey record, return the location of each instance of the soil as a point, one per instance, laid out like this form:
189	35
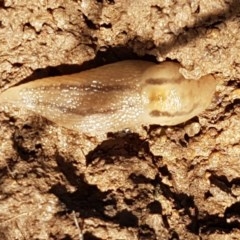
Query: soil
180	182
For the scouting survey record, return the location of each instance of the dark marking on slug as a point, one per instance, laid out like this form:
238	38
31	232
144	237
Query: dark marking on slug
155	113
86	87
159	81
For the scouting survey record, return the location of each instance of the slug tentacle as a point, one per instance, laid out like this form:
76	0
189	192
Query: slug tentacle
115	96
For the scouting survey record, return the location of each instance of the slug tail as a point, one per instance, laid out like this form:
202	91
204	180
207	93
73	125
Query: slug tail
10	97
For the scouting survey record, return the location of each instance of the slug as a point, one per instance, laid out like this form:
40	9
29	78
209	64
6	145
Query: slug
116	96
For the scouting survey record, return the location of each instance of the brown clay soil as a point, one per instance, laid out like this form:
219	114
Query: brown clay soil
179	182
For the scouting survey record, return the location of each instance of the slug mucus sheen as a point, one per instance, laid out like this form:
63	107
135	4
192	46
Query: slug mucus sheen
116	96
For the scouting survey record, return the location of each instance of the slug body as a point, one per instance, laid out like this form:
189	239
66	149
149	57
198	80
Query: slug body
116	96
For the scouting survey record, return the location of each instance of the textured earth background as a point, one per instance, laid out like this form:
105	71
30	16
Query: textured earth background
179	182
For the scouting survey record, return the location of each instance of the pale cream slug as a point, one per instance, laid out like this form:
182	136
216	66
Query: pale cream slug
116	96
